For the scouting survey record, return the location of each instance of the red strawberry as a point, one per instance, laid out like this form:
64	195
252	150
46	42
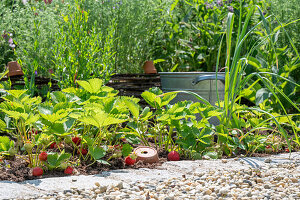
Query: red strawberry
118	146
43	156
83	151
129	161
173	156
37	171
76	140
287	150
68	170
53	145
29	133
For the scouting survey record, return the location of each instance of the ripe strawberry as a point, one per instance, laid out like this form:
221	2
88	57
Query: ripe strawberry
287	150
37	171
53	145
68	170
173	156
131	159
118	146
83	151
43	156
76	140
29	133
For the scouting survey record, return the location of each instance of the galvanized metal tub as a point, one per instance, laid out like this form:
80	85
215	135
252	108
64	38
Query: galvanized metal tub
202	83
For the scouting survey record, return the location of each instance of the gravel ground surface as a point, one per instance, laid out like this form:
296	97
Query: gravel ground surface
274	177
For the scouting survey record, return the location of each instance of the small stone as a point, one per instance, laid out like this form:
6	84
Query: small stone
103	188
224	161
120	185
109	197
246	181
97	184
267	186
268	160
67	191
259	180
98	191
208	192
223	191
294	180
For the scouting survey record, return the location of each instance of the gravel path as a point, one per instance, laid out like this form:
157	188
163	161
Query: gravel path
275	177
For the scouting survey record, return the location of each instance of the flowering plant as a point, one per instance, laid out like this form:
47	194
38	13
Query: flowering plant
7	47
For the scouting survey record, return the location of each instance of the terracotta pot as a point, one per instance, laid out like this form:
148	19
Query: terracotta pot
149	67
146	154
14	69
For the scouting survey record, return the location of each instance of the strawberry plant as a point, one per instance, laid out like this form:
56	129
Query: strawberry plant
54	160
7	146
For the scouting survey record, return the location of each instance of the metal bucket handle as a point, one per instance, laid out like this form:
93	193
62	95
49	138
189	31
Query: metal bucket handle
207	77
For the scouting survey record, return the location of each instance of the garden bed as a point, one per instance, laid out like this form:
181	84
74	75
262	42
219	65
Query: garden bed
16	169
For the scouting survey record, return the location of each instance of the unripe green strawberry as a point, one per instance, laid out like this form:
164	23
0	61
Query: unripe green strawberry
45	139
114	155
28	147
68	139
12	151
63	165
268	149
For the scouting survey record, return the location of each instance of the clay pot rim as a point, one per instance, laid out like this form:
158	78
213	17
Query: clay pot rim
146	158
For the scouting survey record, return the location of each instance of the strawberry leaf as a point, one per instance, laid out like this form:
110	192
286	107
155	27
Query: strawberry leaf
103	162
126	150
97	152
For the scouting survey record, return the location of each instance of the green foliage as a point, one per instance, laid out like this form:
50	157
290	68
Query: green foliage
80	50
6	49
5	145
54	160
192	30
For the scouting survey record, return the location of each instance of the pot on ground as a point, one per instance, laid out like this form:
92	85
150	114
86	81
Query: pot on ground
149	67
14	69
146	154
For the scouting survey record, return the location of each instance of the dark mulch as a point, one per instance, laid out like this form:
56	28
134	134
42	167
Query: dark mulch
16	169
